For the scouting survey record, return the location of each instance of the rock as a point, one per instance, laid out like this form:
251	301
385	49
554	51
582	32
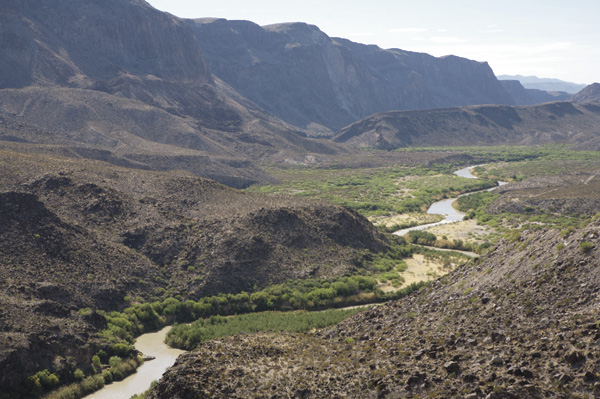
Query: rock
564	379
452	367
497	361
525	372
589	377
575	358
416	378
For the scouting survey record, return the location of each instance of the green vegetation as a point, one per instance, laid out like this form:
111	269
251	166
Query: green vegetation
297	295
189	336
376	191
146	393
586	247
119	369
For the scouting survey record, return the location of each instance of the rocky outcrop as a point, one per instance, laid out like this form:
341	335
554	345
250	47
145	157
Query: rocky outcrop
308	79
520	322
476	125
589	93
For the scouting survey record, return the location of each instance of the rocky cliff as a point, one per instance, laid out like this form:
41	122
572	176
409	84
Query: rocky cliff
308	79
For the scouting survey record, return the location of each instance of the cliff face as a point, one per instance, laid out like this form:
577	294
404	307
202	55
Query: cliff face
76	43
311	80
120	81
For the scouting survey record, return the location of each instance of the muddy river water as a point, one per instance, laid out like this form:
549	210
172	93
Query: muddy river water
151	344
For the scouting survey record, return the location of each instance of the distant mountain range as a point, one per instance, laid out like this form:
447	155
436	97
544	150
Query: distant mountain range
546	84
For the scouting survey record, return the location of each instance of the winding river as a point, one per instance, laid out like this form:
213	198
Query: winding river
151	344
445	208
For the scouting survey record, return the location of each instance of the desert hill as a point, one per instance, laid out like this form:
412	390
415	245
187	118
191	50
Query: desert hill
589	93
86	234
561	122
520	322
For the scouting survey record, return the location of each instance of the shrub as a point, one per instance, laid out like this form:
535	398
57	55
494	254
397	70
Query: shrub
586	247
78	375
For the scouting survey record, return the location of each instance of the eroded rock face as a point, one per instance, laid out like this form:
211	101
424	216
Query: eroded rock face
311	80
77	42
521	322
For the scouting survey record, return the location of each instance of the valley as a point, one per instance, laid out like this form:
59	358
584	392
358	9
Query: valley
308	216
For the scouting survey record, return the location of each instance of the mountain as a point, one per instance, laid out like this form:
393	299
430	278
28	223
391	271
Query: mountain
313	81
525	96
86	234
590	93
121	78
520	322
545	84
557	122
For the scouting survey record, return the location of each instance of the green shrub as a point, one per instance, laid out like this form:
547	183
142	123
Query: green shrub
586	247
78	375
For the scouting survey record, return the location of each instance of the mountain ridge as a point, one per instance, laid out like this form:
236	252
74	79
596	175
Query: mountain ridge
555	122
348	80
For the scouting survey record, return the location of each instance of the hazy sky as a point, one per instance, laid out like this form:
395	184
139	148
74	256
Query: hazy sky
549	38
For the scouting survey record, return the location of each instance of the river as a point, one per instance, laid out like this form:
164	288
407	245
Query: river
151	344
443	207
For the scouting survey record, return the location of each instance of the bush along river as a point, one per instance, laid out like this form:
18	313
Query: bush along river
445	208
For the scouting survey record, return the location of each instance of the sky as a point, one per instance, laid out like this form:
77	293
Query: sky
548	39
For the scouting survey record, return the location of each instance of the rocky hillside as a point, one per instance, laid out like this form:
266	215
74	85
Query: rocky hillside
314	81
563	194
121	77
589	93
81	234
520	322
557	122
